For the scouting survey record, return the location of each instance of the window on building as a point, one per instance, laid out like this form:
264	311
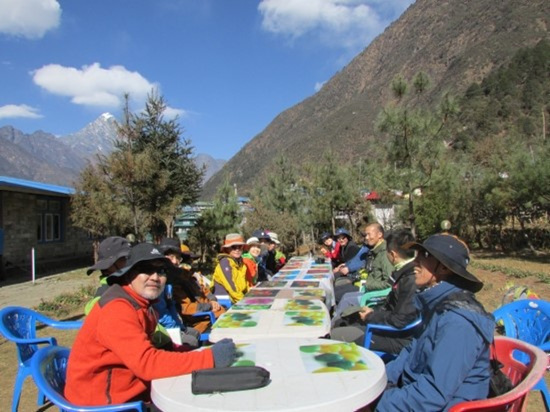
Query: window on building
48	220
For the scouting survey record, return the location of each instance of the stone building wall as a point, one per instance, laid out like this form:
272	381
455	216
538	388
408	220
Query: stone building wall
19	221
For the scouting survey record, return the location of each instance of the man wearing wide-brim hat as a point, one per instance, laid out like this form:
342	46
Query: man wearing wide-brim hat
113	359
230	273
111	256
449	362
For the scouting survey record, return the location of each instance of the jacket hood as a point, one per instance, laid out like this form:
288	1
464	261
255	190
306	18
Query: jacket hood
463	303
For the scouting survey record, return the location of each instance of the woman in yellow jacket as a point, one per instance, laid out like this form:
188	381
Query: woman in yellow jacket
230	273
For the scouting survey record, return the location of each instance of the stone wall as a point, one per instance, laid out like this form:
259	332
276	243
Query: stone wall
19	221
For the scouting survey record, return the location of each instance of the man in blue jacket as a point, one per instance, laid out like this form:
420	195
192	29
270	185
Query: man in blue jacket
449	362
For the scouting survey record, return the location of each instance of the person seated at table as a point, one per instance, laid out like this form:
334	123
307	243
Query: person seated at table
230	272
330	248
188	298
398	309
280	258
449	362
112	253
265	268
348	248
377	269
251	259
169	318
113	359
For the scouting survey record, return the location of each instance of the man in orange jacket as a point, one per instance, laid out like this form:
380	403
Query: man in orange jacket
113	359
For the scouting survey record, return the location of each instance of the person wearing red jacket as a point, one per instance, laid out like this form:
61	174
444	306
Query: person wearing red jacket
113	359
330	248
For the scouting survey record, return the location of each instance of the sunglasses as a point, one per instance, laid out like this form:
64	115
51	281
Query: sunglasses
150	269
236	247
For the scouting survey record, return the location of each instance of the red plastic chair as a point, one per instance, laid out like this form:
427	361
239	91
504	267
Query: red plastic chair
524	377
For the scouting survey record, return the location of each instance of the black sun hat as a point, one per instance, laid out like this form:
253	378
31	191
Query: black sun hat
110	250
452	253
170	244
140	253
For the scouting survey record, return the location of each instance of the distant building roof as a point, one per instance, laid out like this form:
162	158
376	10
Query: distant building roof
372	196
29	186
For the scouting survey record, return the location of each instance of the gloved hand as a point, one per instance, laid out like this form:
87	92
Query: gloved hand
225	353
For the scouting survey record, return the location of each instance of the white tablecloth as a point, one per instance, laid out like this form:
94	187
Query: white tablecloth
294	385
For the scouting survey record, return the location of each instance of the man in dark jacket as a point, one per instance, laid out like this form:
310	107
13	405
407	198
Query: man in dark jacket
398	309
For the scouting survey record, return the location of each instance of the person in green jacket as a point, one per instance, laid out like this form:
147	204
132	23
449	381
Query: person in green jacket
376	273
112	254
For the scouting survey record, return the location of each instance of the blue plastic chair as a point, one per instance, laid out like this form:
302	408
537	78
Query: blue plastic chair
18	325
205	336
388	330
528	320
224	301
49	369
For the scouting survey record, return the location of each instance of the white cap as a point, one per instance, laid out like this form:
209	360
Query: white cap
274	237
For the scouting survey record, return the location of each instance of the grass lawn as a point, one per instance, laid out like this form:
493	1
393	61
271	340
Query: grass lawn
494	270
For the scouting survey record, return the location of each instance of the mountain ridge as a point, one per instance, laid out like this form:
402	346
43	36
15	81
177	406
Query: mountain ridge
454	42
43	157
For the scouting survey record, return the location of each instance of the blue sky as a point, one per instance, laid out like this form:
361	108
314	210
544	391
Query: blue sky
227	68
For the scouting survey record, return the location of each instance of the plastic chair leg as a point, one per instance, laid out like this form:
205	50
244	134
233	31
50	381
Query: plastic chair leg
19	380
22	374
41	399
541	386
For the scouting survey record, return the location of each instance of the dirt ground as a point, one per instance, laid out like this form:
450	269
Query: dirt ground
47	288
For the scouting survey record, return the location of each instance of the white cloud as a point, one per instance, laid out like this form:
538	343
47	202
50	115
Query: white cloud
22	110
349	24
171	112
93	85
29	18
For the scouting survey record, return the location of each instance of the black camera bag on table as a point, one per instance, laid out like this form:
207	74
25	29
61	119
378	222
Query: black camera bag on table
236	378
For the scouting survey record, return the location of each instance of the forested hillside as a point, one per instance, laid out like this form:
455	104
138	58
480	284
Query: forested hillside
454	42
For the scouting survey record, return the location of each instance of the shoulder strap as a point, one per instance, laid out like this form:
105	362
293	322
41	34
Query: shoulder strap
227	272
101	290
116	292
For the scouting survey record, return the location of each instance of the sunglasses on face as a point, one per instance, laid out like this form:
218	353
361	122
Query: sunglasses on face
236	247
150	269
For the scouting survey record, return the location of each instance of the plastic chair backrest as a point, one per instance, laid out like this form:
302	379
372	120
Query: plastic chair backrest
19	325
527	320
524	377
49	368
374	297
388	330
205	336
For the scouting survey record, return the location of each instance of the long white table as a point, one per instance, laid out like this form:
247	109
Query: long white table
268	318
306	272
306	375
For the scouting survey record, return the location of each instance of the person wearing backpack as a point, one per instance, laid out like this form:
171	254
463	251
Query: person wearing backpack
448	362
